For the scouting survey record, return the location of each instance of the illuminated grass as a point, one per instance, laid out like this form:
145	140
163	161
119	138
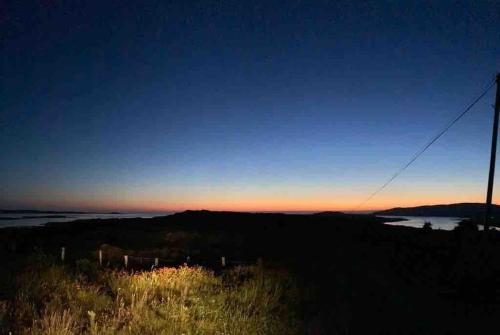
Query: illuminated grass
249	300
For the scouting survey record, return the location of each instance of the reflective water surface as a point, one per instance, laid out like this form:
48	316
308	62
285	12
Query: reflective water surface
38	219
444	223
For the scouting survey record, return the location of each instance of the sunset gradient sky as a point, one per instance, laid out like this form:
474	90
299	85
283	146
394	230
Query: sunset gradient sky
243	105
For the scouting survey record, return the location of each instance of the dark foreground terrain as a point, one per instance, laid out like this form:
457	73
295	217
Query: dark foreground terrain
345	274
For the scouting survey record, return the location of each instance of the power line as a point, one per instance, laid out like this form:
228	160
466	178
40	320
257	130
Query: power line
431	142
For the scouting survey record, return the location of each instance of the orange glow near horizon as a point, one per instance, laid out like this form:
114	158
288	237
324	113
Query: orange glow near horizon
245	203
288	197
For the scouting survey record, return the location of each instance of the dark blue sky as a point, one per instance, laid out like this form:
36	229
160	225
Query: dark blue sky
243	105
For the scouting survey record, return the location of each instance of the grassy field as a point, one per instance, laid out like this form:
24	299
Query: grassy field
54	299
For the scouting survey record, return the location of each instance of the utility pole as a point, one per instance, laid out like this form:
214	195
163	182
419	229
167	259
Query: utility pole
491	176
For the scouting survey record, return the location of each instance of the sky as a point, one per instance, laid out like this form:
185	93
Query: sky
243	105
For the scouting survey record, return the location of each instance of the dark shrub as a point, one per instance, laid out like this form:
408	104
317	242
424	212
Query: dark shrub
467	226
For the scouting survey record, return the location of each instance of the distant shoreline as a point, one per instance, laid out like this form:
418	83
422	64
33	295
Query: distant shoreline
76	219
8	218
35	211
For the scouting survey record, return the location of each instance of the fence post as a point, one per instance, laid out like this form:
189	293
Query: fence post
156	262
63	253
125	260
100	257
223	261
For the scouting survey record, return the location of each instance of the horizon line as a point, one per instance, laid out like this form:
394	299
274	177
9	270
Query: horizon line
179	210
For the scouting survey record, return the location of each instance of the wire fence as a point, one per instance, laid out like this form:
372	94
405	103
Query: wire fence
127	261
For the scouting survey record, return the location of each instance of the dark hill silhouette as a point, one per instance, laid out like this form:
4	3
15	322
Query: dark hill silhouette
462	210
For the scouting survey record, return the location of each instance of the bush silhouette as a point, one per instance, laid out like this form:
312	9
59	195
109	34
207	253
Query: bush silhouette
427	226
